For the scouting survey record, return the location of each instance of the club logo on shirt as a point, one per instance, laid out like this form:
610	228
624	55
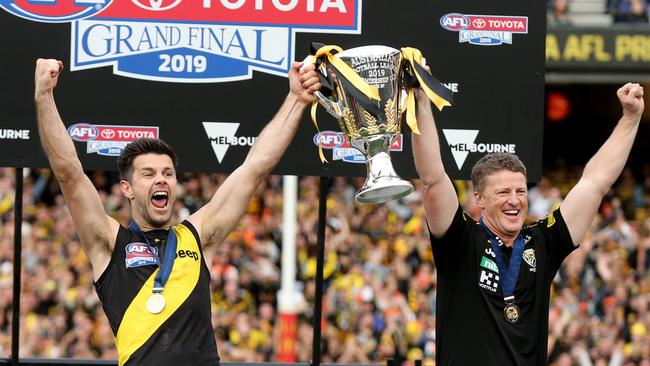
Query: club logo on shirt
489	281
140	254
529	258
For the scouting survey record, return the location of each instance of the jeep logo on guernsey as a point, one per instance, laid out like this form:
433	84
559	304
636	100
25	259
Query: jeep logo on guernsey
109	140
341	148
196	41
54	11
484	30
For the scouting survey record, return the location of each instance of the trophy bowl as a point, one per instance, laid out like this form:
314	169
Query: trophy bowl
371	128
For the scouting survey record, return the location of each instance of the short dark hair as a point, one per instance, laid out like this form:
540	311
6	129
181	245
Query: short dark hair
141	147
492	163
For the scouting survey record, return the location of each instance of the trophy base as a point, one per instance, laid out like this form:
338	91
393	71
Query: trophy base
384	189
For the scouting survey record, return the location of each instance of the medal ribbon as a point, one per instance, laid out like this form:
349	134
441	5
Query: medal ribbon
511	273
167	263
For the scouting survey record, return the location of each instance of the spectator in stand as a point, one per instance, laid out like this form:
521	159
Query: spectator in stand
629	11
558	14
542	199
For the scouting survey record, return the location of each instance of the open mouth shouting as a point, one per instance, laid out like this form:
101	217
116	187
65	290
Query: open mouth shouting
160	199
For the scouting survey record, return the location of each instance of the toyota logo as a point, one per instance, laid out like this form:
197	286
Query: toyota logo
479	23
108	134
156	5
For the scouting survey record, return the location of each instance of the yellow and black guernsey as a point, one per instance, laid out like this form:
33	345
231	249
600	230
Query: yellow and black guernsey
182	333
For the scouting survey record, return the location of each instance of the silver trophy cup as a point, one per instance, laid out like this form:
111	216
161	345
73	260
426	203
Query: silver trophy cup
372	135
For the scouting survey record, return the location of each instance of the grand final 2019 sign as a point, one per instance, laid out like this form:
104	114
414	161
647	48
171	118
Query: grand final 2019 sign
206	76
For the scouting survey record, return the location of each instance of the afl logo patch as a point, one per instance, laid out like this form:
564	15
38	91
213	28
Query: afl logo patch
140	254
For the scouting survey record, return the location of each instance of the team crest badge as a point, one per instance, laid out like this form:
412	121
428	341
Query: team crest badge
529	257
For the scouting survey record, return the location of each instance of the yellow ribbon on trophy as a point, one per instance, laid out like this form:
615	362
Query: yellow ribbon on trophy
314	107
321	155
346	73
414	57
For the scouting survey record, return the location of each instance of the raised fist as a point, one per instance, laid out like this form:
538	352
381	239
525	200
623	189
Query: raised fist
631	97
46	75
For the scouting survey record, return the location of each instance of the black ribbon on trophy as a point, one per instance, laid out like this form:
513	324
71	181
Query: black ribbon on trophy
355	85
418	76
368	89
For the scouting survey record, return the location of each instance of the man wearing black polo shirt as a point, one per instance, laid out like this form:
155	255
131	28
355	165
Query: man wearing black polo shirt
494	275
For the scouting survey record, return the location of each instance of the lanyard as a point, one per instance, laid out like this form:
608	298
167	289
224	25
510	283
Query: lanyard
167	263
508	274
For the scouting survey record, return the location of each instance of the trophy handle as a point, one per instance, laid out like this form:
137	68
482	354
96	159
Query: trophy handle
331	107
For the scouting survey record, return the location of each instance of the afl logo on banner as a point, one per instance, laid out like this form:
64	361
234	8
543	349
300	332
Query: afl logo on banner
454	22
109	140
194	41
54	11
83	132
484	30
341	148
329	139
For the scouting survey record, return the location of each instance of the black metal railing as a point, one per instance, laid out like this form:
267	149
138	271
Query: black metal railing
86	362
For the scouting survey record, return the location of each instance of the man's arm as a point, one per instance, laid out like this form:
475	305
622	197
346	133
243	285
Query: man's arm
96	230
581	204
439	196
217	218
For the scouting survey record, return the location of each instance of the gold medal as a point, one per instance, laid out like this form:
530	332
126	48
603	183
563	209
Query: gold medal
511	313
155	303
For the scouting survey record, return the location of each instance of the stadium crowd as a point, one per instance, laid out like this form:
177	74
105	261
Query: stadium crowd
379	274
560	13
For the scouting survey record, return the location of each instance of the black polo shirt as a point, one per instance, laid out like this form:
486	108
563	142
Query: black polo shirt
470	326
